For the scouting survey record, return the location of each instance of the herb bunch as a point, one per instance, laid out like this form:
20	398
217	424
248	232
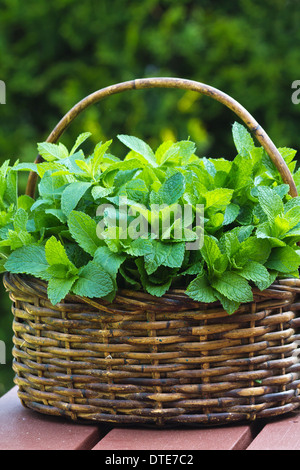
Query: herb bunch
251	224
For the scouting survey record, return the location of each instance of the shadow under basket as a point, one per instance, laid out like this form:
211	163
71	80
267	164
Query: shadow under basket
151	361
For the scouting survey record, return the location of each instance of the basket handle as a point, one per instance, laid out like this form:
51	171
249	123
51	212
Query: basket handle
171	82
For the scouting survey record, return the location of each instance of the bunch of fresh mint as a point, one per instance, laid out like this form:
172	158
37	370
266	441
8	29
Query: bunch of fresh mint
249	236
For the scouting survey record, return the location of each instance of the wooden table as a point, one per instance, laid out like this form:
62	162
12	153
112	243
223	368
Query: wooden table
23	429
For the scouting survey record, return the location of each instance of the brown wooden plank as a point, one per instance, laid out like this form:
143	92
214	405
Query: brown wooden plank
219	438
282	434
23	429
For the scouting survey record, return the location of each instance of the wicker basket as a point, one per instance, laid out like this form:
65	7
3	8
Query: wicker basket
157	361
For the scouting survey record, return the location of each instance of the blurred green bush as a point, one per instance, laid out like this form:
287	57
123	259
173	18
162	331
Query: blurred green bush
55	53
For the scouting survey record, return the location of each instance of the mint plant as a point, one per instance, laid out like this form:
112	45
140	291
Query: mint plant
250	232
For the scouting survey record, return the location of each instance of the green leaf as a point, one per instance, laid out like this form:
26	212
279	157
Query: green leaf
56	253
139	247
59	288
51	152
108	260
253	249
242	138
98	155
166	254
93	281
58	213
11	191
20	220
270	202
156	289
25	167
181	151
234	287
283	259
201	290
16	239
210	251
265	231
219	198
256	273
51	186
230	244
175	255
293	216
28	260
231	213
230	306
99	192
84	231
80	139
140	147
25	202
172	189
72	195
136	190
59	271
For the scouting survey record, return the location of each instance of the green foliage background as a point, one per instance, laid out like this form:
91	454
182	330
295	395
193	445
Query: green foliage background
52	54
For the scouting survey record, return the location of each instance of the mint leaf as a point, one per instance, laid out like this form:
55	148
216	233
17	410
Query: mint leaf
139	247
257	273
99	191
251	225
270	202
20	220
172	189
28	260
242	138
283	259
219	198
230	306
72	195
26	167
166	254
210	251
194	269
84	231
175	255
59	271
98	155
56	253
234	287
253	249
181	151
51	186
51	152
59	288
293	216
140	147
80	139
201	290
93	281
156	289
231	213
108	260
25	202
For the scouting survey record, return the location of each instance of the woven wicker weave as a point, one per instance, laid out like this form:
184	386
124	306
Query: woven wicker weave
157	361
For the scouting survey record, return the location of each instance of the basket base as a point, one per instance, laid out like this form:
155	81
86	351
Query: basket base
164	362
192	421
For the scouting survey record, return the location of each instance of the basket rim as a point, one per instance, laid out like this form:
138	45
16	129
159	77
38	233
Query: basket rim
282	290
